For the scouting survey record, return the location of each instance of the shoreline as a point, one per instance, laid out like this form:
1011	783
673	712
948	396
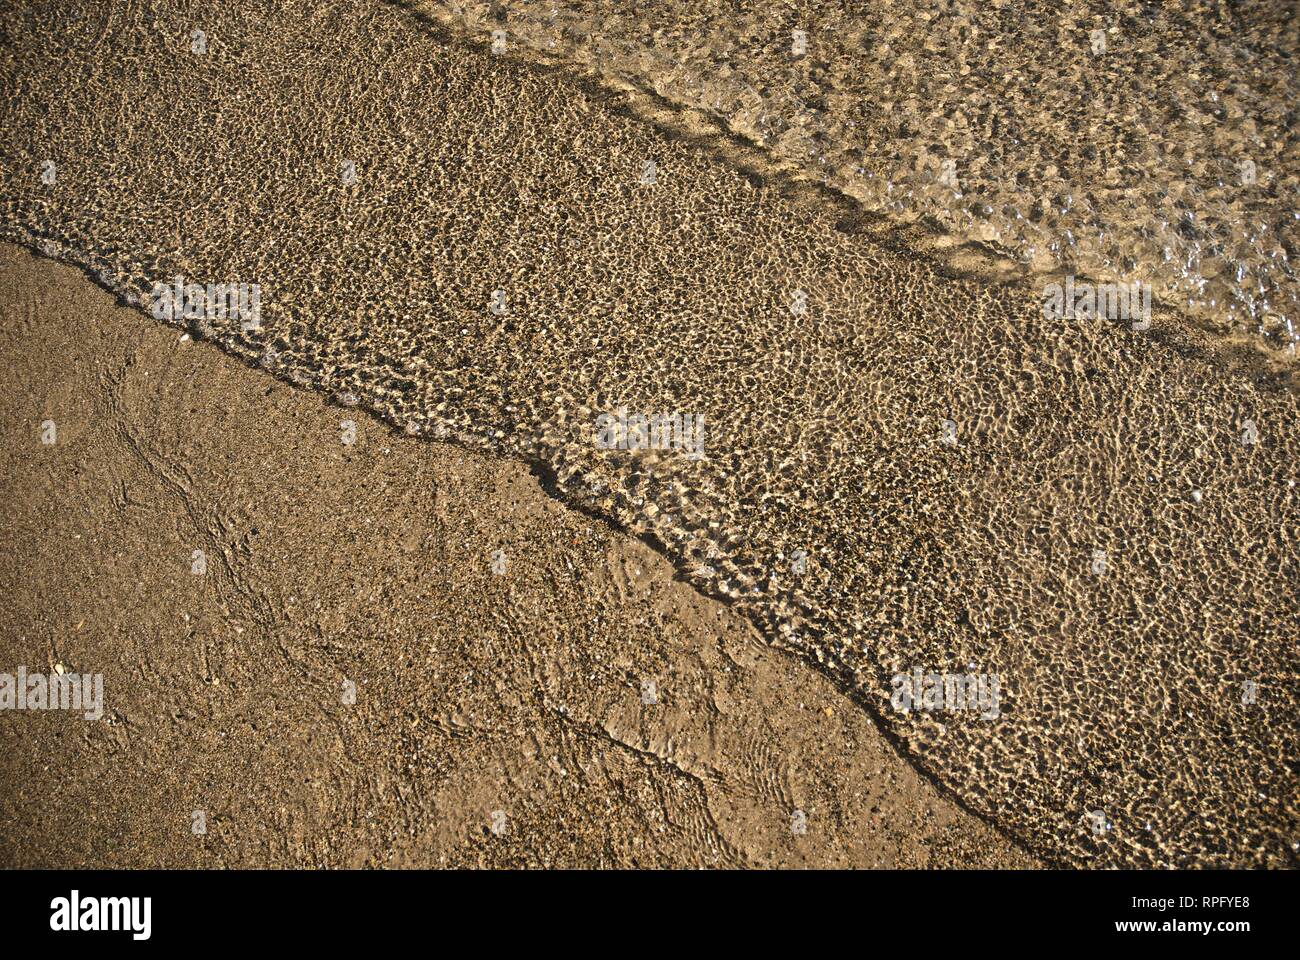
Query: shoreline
938	545
164	443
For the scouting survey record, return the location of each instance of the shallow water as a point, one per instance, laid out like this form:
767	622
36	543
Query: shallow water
1123	142
904	469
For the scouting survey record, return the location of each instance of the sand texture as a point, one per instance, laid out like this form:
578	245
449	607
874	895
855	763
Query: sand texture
370	562
904	469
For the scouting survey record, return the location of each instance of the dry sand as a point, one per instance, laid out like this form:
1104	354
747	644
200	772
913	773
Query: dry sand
1111	532
371	562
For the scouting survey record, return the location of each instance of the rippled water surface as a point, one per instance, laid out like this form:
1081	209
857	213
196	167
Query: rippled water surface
1122	141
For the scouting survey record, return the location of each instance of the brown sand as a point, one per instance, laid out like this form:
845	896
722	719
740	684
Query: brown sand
372	562
1122	682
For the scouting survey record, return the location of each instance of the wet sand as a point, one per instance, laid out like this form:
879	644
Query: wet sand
371	563
1076	509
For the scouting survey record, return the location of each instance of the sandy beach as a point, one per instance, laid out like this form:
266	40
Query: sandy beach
634	400
371	562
